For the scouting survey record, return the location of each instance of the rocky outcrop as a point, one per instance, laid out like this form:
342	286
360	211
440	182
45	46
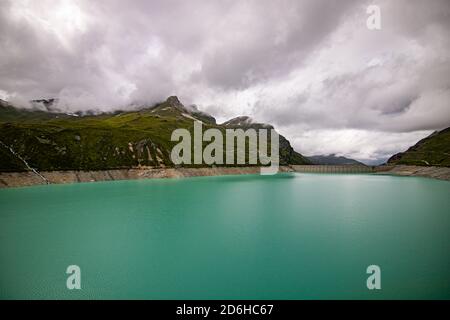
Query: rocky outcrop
246	122
47	104
174	102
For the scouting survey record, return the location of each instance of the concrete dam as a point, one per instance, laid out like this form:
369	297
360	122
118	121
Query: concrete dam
333	168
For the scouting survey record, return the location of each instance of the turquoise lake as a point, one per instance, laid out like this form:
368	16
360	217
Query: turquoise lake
289	236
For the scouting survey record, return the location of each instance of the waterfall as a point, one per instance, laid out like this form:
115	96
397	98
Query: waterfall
24	162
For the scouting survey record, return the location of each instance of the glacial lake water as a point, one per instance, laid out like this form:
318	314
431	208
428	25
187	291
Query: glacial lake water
290	236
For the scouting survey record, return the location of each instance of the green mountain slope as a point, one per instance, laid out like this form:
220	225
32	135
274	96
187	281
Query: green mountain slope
56	141
434	150
287	154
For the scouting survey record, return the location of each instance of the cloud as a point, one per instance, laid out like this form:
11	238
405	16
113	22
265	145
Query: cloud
306	66
366	146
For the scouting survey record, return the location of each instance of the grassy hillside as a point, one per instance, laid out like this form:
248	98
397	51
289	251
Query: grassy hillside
51	141
287	154
431	151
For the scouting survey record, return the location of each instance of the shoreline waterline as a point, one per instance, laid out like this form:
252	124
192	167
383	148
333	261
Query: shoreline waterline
24	179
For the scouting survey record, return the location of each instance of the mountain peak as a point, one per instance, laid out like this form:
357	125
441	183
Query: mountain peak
247	122
174	102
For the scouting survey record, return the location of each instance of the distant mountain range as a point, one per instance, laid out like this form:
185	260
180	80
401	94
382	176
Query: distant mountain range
49	139
332	159
434	150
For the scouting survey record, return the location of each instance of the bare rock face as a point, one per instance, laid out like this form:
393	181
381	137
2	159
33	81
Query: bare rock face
48	104
192	110
174	102
246	122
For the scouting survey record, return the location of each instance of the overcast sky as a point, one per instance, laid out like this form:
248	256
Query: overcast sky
311	68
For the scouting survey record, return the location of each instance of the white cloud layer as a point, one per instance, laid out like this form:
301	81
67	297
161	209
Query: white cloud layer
309	67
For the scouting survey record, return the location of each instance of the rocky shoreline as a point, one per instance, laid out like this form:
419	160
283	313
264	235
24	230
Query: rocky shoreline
441	173
28	178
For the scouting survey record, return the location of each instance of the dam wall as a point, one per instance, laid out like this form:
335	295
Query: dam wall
332	168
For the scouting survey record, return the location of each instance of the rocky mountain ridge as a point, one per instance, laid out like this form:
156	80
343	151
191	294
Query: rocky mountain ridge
50	141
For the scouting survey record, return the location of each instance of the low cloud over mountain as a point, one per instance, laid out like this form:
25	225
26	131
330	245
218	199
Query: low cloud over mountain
311	68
